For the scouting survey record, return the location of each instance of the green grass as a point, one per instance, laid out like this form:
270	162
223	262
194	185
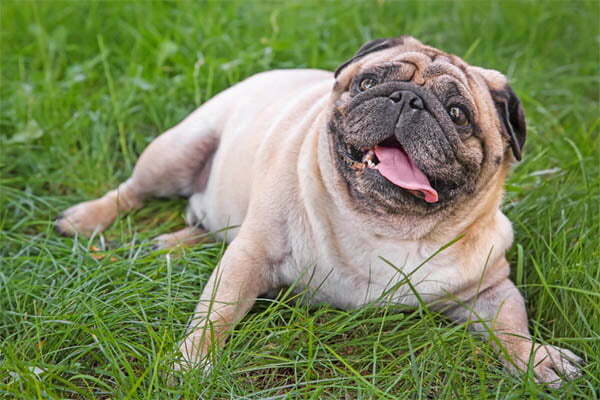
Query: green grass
85	86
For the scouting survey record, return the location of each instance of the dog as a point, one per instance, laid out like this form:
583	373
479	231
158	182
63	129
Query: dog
379	183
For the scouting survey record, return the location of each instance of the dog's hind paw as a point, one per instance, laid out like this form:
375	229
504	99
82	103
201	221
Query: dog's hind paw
86	218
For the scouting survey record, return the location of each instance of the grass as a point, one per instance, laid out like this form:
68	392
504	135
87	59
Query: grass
85	86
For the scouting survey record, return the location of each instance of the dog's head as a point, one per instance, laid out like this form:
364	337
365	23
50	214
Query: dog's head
415	130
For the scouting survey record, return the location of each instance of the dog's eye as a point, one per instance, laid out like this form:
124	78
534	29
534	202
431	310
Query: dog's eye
366	84
458	116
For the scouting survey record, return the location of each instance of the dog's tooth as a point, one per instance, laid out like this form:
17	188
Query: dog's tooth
368	159
368	156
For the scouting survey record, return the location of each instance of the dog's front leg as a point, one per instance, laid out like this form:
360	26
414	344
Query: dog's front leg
499	312
243	274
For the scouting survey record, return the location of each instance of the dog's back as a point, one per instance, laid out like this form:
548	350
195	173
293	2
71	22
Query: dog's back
261	112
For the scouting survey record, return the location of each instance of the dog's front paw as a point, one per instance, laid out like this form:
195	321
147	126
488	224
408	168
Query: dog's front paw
182	365
550	364
86	218
192	356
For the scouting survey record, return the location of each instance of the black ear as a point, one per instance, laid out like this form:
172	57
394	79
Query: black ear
513	117
369	47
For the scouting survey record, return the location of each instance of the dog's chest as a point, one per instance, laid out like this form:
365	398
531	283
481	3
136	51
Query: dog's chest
350	273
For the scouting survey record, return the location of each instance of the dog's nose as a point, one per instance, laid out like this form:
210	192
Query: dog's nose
407	98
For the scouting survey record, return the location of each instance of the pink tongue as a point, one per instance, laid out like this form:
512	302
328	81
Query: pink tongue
398	168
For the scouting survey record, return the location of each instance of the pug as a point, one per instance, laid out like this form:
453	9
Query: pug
379	183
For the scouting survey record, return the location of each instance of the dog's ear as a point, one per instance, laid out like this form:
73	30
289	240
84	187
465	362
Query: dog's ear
370	47
512	116
509	109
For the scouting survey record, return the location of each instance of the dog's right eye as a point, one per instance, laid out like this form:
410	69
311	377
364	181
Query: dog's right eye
458	115
366	84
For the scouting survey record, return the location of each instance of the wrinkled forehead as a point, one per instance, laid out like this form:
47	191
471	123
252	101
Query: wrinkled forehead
417	63
412	61
407	59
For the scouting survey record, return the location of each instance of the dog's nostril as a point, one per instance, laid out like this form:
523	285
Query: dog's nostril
409	98
416	103
396	97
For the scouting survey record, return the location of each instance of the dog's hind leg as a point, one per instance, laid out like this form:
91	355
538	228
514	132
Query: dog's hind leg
185	237
172	165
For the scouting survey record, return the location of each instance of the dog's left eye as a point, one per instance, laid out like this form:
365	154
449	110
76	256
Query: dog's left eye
366	84
458	116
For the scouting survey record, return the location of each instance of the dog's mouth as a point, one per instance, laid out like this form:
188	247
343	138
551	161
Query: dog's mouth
390	160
